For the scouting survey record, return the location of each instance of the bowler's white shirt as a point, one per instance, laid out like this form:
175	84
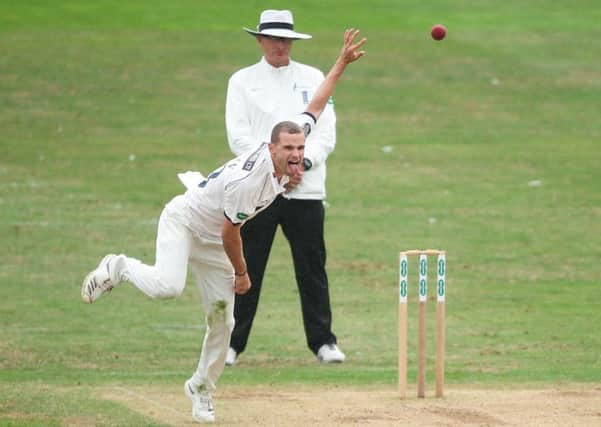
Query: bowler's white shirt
237	190
260	96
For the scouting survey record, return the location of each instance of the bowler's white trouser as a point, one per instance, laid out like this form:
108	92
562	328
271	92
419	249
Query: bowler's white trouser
176	246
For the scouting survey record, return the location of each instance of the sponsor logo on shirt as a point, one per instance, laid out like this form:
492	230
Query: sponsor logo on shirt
252	159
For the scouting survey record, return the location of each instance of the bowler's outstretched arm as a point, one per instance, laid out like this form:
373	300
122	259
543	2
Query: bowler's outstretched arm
349	53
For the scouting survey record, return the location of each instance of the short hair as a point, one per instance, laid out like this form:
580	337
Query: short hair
284	127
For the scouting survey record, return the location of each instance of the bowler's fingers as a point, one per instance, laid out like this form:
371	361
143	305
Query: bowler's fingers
360	43
352	48
350	35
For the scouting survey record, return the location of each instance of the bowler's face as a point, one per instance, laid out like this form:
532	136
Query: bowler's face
276	50
287	154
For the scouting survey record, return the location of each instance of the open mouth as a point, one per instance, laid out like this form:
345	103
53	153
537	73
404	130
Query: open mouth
293	167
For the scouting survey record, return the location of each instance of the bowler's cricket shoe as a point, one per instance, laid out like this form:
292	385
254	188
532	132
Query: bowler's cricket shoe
98	281
202	403
330	353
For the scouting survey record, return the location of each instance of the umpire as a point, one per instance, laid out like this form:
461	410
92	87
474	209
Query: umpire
259	96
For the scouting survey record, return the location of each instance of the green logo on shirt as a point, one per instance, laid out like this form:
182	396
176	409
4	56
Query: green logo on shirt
241	215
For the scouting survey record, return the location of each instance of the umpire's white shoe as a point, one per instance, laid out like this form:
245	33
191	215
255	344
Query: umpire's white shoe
330	353
97	282
202	403
230	357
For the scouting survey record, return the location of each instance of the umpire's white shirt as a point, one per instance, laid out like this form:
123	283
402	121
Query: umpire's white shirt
260	96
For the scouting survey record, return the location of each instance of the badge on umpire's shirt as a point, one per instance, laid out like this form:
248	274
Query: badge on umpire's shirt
305	94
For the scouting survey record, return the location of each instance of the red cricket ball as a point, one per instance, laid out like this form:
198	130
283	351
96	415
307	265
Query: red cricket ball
438	32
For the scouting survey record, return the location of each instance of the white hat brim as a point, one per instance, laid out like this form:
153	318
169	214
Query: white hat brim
279	32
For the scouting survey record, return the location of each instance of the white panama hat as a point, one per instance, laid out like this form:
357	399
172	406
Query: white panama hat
277	23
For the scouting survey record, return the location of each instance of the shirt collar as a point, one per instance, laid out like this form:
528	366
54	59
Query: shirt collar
285	179
277	185
281	69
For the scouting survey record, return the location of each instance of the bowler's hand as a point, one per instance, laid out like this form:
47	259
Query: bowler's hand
294	180
350	50
242	284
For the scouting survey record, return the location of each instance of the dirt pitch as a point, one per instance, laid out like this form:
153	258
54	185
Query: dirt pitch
574	405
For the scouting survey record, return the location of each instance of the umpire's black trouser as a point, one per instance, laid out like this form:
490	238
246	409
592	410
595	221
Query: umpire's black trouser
302	222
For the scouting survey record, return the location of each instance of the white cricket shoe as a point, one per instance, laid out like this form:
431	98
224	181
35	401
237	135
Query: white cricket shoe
230	357
97	282
330	353
202	403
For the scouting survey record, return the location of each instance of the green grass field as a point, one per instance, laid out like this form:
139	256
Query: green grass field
486	144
